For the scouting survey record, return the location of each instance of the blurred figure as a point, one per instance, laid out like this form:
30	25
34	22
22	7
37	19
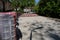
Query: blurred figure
18	34
18	31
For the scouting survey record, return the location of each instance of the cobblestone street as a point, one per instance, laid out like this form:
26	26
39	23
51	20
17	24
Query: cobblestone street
50	28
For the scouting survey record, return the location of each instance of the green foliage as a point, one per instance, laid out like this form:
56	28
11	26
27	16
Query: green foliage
22	4
49	8
15	4
36	8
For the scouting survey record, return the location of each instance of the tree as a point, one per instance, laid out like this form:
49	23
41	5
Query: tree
31	3
19	4
15	4
36	8
49	8
28	3
22	3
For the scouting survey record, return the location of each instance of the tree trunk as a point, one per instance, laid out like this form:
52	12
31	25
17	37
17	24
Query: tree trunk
16	9
3	6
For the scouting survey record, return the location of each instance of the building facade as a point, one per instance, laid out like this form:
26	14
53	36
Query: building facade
7	6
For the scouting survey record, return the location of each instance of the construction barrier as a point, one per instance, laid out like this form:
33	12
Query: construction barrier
7	26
